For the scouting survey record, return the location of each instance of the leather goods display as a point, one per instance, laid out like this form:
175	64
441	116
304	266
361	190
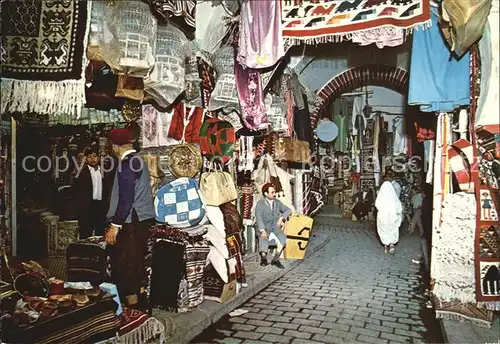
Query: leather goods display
298	232
184	160
292	150
463	22
217	187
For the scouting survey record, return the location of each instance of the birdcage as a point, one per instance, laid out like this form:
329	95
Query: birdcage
167	79
128	35
225	94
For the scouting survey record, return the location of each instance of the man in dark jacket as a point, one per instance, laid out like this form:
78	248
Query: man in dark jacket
91	194
130	214
364	203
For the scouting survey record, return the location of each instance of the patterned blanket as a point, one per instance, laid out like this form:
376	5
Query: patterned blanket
42	52
313	21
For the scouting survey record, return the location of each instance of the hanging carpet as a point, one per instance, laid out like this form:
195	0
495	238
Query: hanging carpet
313	22
42	52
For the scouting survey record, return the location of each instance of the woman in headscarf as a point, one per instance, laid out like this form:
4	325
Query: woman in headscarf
389	216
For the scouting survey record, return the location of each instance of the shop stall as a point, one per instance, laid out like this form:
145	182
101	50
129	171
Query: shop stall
217	112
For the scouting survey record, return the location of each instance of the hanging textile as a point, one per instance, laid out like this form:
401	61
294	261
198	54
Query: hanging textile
186	123
210	27
251	97
446	80
42	61
487	110
167	9
313	22
156	126
96	32
167	79
276	110
341	118
382	37
129	38
217	139
260	41
399	136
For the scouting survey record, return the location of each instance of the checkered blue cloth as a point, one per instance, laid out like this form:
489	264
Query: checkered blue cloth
179	203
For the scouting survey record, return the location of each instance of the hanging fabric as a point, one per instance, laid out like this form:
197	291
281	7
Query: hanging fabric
446	79
399	136
251	97
381	37
260	41
167	79
43	57
210	26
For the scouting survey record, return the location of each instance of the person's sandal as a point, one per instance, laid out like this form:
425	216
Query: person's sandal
385	249
391	249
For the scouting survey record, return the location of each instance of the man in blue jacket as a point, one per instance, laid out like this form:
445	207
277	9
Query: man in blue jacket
269	211
131	212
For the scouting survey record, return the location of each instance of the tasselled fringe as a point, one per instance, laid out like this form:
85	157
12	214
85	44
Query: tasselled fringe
51	98
148	330
446	293
346	36
489	305
449	315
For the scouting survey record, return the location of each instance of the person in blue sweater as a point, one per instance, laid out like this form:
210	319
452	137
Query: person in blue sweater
131	212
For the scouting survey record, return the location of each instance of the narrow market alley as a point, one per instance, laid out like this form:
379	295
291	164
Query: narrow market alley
348	292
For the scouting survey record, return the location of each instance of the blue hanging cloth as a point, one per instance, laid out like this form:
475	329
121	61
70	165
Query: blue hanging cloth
438	81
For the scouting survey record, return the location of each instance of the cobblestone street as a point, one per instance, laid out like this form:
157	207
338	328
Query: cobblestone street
349	292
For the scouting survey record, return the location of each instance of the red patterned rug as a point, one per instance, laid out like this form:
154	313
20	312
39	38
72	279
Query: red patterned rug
313	21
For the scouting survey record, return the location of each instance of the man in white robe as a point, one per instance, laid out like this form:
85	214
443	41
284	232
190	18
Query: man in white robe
389	216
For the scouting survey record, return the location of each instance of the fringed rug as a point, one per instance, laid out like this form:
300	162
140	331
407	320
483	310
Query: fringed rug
42	52
137	328
313	22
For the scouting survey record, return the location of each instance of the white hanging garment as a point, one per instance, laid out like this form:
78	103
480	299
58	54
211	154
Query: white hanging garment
210	26
400	140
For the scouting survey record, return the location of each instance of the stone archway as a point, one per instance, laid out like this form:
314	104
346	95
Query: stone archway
378	75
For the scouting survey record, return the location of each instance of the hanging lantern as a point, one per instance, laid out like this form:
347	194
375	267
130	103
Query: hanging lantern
128	37
225	94
167	79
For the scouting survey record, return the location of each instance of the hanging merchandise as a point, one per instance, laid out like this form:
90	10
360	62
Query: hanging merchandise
128	38
341	118
251	97
292	150
276	110
462	22
167	79
43	56
245	162
130	87
260	42
186	123
156	126
166	9
97	27
192	87
217	186
446	79
210	28
487	109
314	22
180	204
217	139
184	160
399	136
224	94
327	131
382	37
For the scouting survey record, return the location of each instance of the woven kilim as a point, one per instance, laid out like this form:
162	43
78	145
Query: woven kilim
42	52
313	21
